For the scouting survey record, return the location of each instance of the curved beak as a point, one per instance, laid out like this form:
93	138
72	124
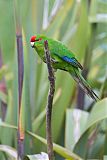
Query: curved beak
32	44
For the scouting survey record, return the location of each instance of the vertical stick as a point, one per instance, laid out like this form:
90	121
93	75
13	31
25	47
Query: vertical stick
20	86
49	103
20	132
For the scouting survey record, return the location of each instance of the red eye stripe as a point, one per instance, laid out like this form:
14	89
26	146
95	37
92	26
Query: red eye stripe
33	39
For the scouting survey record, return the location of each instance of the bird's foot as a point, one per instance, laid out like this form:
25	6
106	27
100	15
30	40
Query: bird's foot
53	61
54	69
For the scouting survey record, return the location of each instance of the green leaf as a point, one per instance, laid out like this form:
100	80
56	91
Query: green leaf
59	19
11	152
7	135
73	132
77	45
42	156
3	97
105	157
98	11
3	71
57	148
98	113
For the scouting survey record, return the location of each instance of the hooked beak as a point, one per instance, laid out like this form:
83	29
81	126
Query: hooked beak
32	44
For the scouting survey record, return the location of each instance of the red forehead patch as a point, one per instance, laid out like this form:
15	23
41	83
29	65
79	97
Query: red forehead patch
33	39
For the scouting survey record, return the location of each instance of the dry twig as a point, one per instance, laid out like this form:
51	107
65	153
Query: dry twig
49	102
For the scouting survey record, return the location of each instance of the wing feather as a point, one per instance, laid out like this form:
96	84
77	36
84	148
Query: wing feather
72	61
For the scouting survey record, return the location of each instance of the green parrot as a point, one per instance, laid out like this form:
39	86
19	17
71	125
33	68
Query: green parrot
63	59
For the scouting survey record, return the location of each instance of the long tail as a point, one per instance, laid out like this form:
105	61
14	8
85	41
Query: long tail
83	84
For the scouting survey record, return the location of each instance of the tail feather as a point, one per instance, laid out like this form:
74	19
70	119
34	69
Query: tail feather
83	84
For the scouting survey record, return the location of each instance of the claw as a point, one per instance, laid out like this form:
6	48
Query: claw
53	61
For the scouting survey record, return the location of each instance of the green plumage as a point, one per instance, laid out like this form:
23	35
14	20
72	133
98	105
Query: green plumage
62	58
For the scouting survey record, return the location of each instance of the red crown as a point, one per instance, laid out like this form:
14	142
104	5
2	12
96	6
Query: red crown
33	39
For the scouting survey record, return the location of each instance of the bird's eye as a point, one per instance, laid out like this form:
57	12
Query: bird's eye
39	39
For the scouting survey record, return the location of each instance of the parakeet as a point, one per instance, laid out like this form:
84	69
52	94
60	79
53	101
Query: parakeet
63	59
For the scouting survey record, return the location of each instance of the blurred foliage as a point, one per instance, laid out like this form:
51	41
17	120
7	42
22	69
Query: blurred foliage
72	22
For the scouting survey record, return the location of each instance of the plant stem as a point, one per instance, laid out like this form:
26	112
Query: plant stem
49	102
20	86
20	132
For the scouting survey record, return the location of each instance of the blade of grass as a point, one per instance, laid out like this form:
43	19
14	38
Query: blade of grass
87	62
2	90
59	19
26	97
57	148
10	151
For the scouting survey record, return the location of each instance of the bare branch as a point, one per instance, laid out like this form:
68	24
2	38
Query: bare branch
49	102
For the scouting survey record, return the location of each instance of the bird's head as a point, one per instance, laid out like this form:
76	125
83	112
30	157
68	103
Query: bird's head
36	40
